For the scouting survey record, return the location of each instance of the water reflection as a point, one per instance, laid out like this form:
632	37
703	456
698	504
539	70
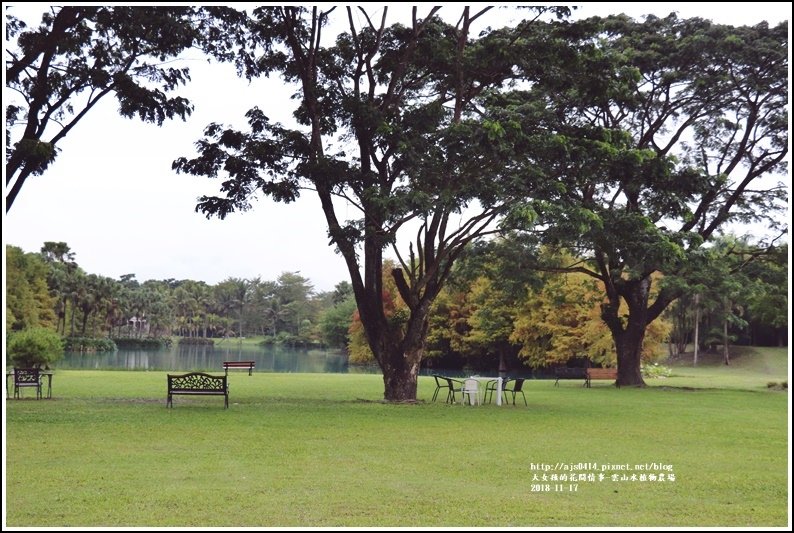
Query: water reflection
210	358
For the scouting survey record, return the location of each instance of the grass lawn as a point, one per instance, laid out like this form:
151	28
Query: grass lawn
322	450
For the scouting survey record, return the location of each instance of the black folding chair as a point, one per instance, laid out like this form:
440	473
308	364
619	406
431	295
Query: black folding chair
490	388
441	383
455	385
514	387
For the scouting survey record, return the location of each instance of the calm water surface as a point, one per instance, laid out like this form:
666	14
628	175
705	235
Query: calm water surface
210	358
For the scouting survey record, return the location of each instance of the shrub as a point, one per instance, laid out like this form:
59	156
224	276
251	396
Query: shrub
145	343
655	370
34	348
89	344
267	341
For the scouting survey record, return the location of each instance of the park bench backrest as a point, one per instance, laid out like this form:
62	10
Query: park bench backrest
197	381
602	373
26	377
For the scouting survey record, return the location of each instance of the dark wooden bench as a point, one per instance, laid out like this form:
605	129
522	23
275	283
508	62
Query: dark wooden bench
569	373
239	364
199	384
601	373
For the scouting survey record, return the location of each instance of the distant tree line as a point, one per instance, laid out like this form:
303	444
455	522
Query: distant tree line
506	307
50	289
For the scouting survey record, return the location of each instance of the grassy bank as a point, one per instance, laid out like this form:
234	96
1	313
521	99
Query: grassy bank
323	450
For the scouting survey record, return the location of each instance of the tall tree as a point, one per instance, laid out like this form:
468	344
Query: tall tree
736	282
158	312
293	293
495	275
769	305
77	55
62	269
335	323
667	131
28	301
388	123
231	295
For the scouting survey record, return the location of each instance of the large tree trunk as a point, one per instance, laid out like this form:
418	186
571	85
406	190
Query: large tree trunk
400	361
629	350
398	347
400	376
628	338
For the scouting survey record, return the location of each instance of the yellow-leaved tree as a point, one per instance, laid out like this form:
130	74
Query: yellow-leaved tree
563	320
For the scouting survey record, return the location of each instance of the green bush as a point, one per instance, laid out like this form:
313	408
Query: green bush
655	370
145	343
268	341
284	338
34	348
89	344
783	385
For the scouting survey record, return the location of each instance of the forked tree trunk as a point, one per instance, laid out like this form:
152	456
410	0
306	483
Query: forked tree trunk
400	353
400	377
628	338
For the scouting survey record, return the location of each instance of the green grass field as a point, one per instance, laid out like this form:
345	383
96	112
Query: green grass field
322	450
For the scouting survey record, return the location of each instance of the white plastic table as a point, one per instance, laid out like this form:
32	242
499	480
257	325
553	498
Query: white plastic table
486	379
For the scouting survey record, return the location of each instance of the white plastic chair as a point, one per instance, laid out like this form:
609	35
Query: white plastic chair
471	388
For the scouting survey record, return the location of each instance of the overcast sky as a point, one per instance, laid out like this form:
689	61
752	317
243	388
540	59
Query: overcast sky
112	197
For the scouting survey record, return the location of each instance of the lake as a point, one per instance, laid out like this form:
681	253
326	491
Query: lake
189	358
210	358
